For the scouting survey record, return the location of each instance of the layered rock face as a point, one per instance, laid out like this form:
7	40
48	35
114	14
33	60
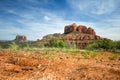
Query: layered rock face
70	28
80	29
21	38
82	38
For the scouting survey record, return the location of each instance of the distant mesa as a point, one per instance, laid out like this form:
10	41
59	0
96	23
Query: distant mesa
21	38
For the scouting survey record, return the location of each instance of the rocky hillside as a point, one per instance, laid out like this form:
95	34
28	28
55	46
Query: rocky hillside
79	35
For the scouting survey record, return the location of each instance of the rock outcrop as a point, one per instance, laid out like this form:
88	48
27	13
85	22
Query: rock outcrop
70	28
80	29
21	38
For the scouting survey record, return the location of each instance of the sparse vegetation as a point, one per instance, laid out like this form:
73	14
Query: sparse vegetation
113	57
117	44
42	63
13	46
54	42
89	54
103	45
27	47
70	50
92	46
0	48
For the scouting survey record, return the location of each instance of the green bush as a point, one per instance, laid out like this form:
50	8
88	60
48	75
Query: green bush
27	46
108	44
117	44
92	46
4	45
13	46
102	45
54	42
0	48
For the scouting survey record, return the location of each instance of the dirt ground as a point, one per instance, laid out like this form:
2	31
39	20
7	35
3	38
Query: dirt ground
21	66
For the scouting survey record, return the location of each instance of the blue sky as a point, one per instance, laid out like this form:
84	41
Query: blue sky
37	18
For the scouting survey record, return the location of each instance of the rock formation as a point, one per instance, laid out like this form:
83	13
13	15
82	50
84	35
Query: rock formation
70	28
79	35
21	38
80	29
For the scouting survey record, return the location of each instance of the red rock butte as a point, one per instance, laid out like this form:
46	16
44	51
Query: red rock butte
79	35
21	38
79	28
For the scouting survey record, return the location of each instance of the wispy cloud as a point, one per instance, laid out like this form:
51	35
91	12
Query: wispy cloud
46	18
98	7
104	7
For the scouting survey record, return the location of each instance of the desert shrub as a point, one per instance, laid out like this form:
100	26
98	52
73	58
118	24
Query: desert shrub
89	54
92	46
13	46
102	45
112	57
117	44
71	50
1	48
4	45
54	42
27	46
108	44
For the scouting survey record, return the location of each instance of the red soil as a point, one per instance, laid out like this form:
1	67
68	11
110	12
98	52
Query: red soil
65	67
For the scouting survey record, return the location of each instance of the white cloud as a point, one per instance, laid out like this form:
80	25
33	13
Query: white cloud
46	18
